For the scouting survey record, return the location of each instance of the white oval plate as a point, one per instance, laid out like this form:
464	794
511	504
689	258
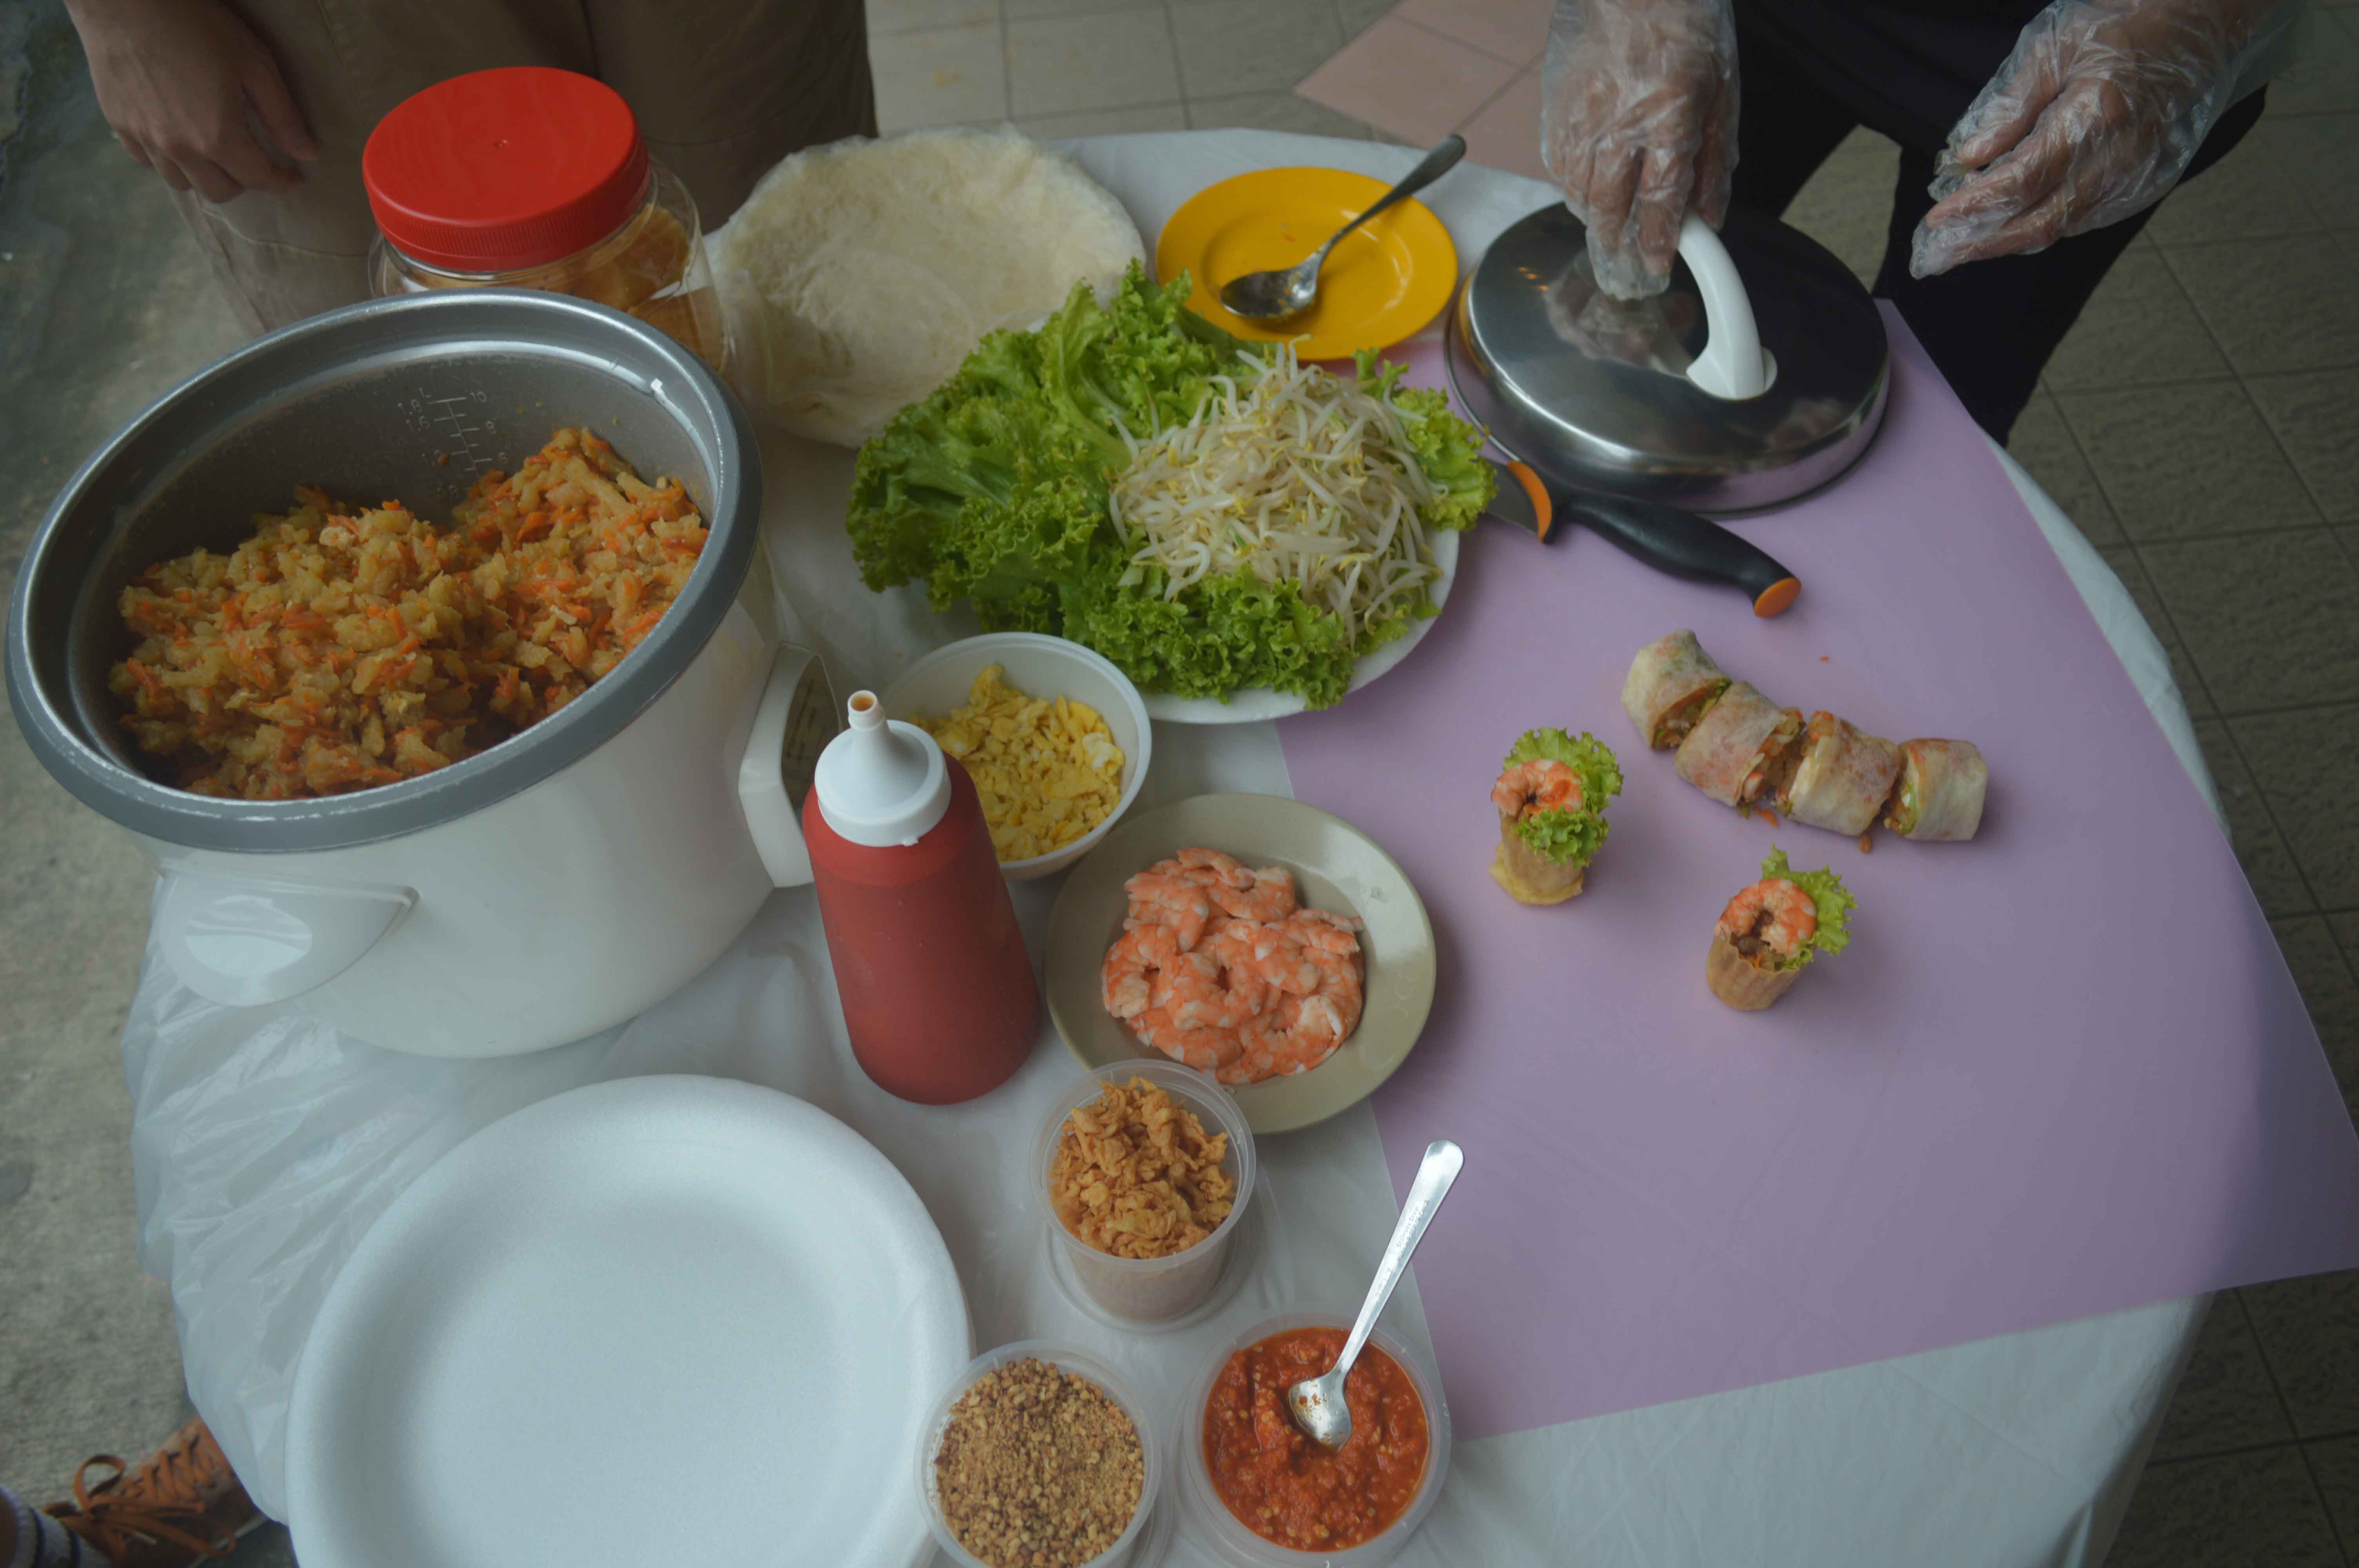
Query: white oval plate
1258	702
646	1321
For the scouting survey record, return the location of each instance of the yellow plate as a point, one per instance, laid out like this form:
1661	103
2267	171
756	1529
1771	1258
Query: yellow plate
1385	281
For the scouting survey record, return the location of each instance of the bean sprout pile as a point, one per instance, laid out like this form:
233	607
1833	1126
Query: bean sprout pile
1290	472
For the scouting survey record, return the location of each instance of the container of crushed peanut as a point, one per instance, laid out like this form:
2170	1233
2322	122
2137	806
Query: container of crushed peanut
1040	1456
1145	1170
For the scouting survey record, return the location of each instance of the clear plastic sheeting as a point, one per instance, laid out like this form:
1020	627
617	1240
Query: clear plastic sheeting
265	1143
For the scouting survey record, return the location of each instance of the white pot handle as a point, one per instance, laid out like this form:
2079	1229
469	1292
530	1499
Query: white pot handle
248	942
797	718
1734	364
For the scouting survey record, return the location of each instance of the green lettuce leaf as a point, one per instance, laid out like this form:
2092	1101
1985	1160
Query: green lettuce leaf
1833	900
1563	836
993	489
1569	836
1447	448
1587	756
1224	633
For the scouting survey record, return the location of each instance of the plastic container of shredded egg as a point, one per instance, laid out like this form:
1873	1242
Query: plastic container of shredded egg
1037	667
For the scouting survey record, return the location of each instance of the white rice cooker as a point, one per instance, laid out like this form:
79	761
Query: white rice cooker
549	887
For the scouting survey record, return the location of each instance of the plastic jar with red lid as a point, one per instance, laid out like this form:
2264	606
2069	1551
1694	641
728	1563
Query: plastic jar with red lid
529	177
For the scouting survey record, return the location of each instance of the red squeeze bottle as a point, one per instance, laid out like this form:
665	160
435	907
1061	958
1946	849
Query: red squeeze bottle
936	985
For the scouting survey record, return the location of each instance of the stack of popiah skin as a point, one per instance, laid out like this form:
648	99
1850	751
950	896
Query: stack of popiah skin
1743	749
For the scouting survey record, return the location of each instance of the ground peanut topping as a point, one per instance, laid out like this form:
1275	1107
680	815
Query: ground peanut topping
1037	1468
1136	1176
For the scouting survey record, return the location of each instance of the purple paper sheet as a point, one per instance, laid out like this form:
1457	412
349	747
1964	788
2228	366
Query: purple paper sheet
2061	1070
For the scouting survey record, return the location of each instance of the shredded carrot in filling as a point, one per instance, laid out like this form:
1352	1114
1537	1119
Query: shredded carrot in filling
337	649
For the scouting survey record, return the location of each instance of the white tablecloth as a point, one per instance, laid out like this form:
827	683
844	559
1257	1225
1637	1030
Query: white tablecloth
266	1145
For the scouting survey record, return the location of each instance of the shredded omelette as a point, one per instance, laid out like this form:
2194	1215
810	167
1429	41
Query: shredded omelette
1047	768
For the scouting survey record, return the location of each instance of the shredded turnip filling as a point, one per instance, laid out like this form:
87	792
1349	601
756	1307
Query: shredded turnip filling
1289	472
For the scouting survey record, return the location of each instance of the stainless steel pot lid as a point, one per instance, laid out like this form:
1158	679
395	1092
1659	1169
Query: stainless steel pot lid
1612	395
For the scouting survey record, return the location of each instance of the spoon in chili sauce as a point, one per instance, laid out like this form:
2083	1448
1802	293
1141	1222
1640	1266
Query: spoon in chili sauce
1317	1403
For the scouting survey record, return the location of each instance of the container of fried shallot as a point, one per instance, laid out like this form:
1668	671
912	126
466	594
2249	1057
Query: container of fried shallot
1144	1173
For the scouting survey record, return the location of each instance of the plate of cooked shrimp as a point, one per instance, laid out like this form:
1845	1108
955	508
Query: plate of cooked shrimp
1267	943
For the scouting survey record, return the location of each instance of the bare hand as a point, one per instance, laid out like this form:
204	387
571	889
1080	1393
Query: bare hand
191	92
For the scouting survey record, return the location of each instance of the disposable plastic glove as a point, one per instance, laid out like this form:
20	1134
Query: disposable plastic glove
2095	117
1638	126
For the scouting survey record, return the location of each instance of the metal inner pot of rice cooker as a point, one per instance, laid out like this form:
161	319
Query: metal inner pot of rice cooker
1594	391
552	886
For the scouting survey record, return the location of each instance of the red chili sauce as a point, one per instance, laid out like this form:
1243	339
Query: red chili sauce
1281	1483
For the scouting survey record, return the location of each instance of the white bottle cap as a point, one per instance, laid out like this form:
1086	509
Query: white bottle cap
881	782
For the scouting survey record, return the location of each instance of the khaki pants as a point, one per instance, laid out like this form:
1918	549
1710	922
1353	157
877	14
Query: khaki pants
722	89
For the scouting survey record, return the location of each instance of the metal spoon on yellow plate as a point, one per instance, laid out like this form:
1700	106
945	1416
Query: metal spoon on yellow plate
1282	292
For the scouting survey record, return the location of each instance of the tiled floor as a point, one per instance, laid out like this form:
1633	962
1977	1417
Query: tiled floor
1075	68
2199	426
1432	66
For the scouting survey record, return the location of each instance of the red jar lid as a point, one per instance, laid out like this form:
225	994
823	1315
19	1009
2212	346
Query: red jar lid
502	169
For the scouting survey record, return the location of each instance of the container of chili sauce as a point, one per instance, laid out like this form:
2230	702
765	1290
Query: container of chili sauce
1262	1494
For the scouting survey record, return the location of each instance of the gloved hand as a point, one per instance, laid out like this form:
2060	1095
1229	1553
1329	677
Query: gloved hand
1638	126
2095	117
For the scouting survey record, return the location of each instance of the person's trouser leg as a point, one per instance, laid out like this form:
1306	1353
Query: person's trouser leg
31	1539
283	257
1992	326
1785	127
722	91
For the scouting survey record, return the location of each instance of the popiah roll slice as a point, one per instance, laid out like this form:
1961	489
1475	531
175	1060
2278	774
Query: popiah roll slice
1841	776
1940	798
1671	682
1734	750
1772	929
